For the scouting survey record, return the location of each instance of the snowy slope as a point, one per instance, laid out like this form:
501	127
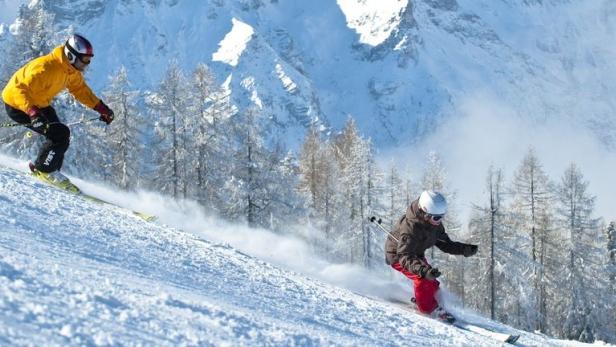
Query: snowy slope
74	272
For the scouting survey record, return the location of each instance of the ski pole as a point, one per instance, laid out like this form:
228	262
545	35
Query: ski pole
378	222
9	125
82	121
30	133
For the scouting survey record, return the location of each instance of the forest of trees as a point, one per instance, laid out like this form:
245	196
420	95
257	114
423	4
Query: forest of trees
545	261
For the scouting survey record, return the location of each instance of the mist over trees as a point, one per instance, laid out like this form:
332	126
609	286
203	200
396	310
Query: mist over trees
546	262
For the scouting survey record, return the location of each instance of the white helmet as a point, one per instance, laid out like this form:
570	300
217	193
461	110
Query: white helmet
76	48
432	202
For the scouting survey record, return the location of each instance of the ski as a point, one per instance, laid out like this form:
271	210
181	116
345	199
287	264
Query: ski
467	326
73	189
146	217
503	337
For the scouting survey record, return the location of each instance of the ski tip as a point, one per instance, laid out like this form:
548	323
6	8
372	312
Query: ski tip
146	217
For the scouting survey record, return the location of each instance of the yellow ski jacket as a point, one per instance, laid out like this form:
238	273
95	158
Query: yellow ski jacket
40	80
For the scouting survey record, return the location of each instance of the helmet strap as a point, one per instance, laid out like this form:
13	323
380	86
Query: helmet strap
71	49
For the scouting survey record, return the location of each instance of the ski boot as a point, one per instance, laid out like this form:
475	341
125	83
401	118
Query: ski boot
56	179
439	313
442	315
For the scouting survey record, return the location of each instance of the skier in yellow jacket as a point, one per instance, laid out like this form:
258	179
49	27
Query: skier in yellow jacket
28	94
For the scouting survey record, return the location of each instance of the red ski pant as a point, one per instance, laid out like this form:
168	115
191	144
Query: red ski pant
425	290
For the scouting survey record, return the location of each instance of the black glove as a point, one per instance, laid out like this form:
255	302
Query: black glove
105	112
430	273
469	250
38	121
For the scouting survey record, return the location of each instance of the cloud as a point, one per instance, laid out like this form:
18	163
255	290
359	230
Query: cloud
488	132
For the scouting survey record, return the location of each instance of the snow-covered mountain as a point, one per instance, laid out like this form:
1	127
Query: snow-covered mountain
478	81
399	67
73	272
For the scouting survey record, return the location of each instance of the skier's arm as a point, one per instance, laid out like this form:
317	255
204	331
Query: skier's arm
411	258
80	90
444	243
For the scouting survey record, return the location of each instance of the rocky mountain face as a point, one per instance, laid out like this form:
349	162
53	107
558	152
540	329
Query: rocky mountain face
399	67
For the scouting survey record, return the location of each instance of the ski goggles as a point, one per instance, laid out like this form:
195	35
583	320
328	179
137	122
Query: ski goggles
81	63
435	217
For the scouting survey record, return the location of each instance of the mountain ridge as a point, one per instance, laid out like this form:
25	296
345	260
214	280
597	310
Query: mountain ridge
397	68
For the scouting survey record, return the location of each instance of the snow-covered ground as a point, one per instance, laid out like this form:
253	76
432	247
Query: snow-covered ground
73	272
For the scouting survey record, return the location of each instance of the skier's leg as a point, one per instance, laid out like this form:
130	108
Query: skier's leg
17	115
425	290
51	154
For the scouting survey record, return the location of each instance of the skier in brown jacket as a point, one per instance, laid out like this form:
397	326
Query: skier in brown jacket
415	232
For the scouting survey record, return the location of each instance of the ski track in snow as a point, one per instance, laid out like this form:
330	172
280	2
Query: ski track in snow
73	272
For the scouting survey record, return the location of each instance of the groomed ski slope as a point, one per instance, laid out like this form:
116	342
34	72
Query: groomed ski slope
73	272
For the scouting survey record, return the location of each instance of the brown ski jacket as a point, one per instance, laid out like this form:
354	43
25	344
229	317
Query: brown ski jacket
415	236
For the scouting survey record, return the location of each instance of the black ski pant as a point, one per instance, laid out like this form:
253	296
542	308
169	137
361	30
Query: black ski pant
51	154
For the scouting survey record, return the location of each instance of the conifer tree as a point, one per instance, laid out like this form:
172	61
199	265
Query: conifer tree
210	142
359	184
350	153
611	254
486	225
397	201
575	209
531	195
611	276
311	170
261	186
124	138
170	106
331	188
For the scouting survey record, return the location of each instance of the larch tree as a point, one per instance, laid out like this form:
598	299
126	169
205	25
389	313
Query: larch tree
351	152
531	205
575	207
210	142
169	106
124	137
311	171
396	199
263	179
486	226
